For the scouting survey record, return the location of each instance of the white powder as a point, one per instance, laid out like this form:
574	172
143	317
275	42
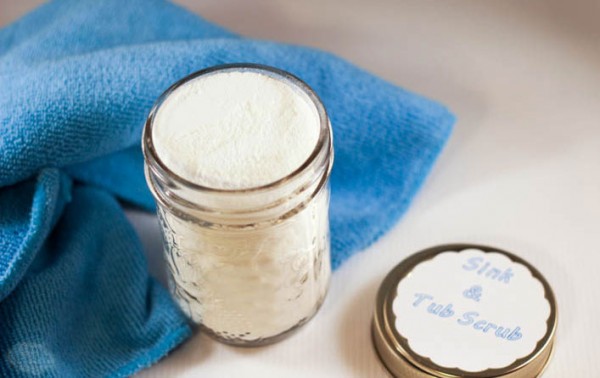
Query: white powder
235	130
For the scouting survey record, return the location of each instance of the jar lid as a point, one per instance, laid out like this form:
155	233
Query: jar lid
464	311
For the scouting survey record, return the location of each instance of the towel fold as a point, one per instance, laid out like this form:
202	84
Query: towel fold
77	80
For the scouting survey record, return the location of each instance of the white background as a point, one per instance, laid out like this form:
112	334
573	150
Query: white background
521	171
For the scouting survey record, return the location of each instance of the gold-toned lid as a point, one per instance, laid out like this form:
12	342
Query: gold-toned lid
465	310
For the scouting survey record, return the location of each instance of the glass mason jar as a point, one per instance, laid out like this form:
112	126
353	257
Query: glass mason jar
247	265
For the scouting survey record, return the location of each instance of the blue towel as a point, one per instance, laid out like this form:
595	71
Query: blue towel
77	79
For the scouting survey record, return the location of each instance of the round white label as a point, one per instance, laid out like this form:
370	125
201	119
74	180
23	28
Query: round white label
471	310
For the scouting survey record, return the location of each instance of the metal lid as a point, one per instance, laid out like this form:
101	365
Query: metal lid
465	311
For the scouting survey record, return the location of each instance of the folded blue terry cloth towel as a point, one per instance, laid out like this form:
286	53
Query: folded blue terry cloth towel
77	79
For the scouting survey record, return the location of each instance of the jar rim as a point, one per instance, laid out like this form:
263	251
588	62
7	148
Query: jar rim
324	139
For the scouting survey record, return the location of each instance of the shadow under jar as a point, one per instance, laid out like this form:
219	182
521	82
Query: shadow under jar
247	265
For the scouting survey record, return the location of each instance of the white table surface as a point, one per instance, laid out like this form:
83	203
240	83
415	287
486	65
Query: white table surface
521	172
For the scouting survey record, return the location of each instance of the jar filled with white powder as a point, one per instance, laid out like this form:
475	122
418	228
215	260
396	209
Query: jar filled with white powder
238	159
